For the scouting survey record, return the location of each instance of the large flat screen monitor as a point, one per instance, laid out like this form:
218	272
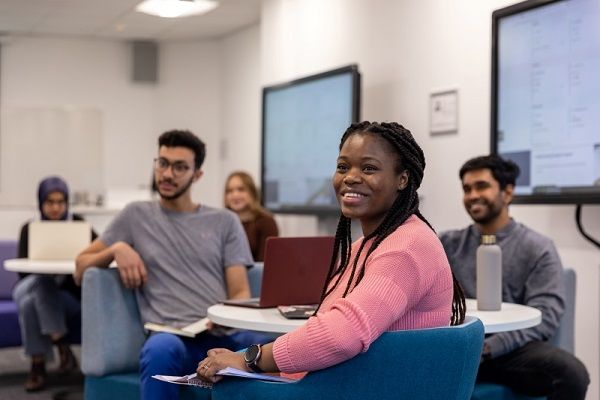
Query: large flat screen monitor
303	121
546	98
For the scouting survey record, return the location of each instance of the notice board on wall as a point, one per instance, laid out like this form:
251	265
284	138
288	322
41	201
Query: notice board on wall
36	142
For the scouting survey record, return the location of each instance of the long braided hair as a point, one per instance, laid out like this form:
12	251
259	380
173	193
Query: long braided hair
412	159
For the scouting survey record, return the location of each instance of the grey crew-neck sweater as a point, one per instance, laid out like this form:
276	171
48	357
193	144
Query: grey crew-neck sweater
531	275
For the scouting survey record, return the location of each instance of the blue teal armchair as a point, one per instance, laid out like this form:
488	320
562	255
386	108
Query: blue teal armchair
112	336
10	334
438	363
564	338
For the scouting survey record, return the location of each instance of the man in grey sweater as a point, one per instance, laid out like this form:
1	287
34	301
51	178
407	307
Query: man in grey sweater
531	275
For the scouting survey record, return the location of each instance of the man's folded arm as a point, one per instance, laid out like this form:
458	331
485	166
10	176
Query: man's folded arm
97	254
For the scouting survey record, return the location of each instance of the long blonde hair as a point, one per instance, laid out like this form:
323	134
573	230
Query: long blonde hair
255	207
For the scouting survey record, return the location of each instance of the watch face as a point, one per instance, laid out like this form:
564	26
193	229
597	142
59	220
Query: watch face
251	353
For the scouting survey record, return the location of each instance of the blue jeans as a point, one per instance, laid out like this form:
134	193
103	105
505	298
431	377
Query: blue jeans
168	354
44	309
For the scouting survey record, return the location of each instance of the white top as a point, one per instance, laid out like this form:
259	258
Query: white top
510	317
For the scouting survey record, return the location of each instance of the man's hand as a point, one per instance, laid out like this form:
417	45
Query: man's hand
131	267
486	353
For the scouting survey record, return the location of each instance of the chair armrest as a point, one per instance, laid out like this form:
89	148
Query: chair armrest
111	329
415	364
255	273
565	333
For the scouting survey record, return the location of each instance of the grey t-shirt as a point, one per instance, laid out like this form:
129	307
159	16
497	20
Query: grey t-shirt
531	275
185	254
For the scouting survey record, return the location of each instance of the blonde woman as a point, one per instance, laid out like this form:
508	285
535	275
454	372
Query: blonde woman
242	197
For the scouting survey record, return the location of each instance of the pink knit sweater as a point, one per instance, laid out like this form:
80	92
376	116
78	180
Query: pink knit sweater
407	285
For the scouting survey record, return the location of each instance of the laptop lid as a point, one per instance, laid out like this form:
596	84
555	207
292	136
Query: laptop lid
57	240
295	270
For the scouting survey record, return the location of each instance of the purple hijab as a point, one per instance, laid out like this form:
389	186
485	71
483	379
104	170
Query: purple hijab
49	185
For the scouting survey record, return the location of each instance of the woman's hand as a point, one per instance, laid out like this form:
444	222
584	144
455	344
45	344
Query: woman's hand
216	360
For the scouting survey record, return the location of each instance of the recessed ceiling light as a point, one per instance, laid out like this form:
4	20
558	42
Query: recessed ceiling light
176	8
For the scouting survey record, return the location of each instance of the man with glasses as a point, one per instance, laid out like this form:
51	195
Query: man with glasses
181	257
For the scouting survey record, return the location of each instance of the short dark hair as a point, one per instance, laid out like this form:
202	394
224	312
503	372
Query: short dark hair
503	171
184	138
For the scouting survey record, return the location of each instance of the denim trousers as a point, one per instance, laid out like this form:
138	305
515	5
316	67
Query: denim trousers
44	309
168	354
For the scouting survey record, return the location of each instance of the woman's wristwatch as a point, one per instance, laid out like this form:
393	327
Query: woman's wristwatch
252	356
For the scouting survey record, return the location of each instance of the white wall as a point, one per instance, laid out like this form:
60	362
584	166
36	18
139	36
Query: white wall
63	73
241	102
59	73
188	97
406	50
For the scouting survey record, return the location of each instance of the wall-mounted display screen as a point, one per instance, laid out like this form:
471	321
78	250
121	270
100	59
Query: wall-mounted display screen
303	122
546	98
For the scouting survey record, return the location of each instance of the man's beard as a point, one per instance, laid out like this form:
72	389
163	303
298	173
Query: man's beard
178	193
493	211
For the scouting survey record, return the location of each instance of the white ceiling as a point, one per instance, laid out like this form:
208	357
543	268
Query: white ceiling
117	19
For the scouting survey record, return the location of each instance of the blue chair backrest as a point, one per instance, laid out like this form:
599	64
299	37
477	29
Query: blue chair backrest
8	250
423	364
255	273
565	335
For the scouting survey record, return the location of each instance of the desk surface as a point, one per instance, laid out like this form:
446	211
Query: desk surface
511	317
53	267
40	266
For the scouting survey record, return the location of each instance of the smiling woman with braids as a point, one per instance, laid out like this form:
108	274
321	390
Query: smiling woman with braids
395	277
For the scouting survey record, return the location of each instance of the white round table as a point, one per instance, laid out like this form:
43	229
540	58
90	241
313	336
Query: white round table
52	267
26	265
256	319
510	317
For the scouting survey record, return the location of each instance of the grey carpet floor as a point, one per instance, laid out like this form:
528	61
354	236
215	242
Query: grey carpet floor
13	372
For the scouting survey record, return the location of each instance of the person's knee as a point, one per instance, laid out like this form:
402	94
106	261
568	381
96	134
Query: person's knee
26	305
44	286
25	287
162	348
575	374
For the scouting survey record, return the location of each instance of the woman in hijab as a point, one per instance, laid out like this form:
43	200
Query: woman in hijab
48	304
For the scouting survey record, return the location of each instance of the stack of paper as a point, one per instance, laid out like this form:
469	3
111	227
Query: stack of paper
193	380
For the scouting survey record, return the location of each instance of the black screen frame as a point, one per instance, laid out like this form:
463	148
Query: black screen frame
318	210
578	197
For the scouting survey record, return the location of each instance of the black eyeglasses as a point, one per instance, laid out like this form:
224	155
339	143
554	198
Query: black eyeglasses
178	167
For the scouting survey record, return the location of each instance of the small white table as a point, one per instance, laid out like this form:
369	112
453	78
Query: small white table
256	319
510	317
64	267
52	267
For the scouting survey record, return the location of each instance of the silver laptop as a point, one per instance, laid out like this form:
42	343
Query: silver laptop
58	240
